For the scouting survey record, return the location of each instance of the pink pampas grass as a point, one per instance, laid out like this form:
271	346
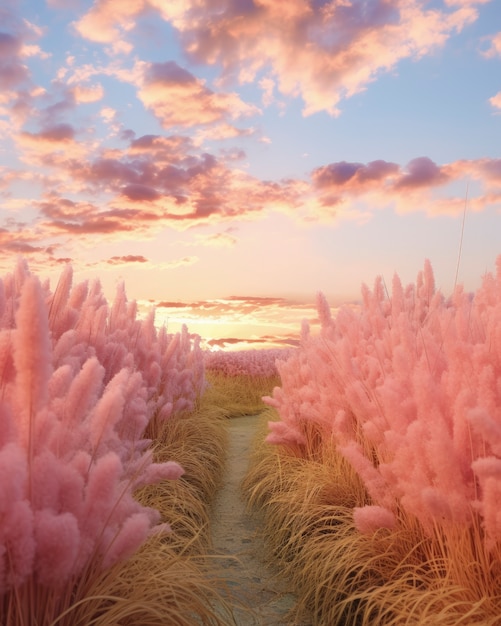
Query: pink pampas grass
79	382
407	388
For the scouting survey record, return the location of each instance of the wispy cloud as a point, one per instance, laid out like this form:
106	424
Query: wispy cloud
224	239
493	46
138	260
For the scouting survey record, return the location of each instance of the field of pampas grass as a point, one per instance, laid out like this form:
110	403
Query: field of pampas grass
403	577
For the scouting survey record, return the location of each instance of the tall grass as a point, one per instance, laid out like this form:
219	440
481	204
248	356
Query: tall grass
84	388
379	479
341	576
240	394
238	380
171	579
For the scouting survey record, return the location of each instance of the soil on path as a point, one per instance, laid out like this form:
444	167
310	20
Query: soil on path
255	596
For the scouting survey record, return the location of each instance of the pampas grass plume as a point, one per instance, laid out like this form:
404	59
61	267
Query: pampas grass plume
368	519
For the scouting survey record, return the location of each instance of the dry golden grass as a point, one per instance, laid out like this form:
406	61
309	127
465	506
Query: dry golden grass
341	577
197	441
156	587
238	395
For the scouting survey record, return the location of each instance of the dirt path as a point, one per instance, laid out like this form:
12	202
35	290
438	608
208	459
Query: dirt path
256	599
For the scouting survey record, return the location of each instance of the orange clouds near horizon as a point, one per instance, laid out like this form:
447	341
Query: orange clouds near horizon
237	322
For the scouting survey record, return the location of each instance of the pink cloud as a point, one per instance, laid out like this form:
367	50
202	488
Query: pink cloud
358	178
234	305
495	101
218	240
17	43
167	84
63	216
86	94
242	343
108	20
140	193
494	47
488	171
12	69
128	259
354	175
422	172
354	190
164	179
53	146
56	133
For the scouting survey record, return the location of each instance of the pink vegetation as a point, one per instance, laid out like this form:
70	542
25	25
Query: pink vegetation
407	385
80	382
255	363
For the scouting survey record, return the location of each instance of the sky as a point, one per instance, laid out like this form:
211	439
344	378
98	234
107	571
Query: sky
229	159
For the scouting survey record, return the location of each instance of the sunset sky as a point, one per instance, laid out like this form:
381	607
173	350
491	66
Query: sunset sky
228	159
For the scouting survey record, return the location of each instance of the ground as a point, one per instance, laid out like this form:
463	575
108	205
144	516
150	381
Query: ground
258	599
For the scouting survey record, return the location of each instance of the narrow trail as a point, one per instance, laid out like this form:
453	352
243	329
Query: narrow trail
257	600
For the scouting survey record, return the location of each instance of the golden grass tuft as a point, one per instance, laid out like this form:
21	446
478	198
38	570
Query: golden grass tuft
156	587
399	577
197	441
238	395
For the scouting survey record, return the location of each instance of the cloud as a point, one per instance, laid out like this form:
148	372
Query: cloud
157	181
232	304
55	134
12	69
187	260
52	146
166	85
344	190
140	193
358	178
495	101
127	260
86	94
17	43
139	260
355	175
108	21
243	343
65	216
422	172
494	47
218	240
